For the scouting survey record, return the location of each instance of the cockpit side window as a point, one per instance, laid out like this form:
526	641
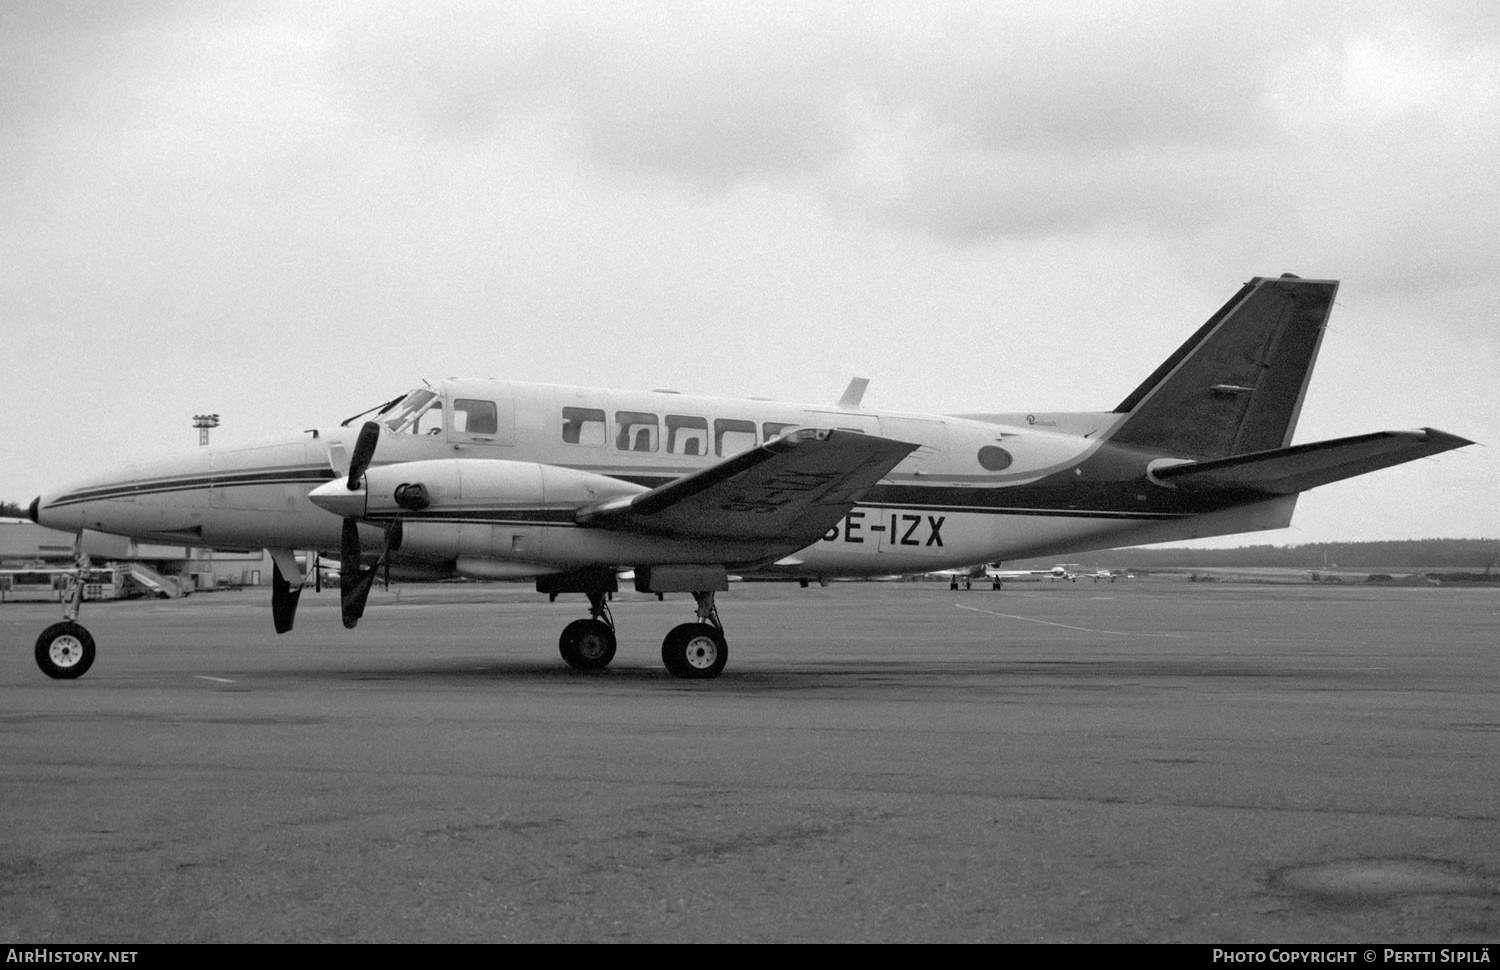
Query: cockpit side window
583	426
429	421
472	416
407	416
775	429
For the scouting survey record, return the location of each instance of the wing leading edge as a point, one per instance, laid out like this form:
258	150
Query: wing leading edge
787	492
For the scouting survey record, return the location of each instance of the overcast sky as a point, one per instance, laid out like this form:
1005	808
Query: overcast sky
285	213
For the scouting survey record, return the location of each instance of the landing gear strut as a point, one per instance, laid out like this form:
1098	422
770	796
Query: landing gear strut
590	644
697	651
66	650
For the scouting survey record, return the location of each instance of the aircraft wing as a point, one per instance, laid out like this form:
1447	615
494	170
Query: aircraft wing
1283	471
789	491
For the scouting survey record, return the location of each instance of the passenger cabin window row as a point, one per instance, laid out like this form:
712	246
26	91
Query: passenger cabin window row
685	434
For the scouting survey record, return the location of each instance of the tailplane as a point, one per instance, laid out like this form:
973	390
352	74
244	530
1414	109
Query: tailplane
1236	386
1286	471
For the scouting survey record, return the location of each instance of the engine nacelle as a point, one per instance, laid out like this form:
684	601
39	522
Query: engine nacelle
476	510
497	519
474	487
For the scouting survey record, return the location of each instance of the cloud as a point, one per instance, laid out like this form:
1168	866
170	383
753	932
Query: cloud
975	122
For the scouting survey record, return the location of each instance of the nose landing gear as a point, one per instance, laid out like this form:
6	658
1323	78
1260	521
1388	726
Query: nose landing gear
65	650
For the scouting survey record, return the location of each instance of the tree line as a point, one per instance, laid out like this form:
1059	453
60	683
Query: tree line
1482	555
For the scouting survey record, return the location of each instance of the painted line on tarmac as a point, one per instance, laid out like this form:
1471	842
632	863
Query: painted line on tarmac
1080	629
217	680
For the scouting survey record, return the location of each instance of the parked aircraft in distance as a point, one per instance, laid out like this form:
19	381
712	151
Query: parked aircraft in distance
570	486
994	572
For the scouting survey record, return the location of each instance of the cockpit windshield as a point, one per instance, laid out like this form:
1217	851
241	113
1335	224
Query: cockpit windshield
408	415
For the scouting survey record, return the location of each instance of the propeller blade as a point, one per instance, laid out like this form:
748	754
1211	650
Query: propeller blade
283	600
355	581
352	595
364	450
349	550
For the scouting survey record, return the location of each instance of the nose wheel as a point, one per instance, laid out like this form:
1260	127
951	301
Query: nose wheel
64	651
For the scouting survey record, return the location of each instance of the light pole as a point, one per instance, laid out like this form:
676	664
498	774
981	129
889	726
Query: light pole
203	422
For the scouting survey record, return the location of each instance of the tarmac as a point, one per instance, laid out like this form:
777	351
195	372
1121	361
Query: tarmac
1129	761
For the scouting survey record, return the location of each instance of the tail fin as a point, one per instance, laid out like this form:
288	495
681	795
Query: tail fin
1237	385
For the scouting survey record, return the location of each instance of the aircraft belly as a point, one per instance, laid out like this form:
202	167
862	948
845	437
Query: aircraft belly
563	545
582	546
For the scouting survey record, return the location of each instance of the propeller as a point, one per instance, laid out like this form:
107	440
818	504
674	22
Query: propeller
364	450
356	581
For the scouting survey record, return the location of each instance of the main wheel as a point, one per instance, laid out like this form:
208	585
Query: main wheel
694	650
65	650
587	644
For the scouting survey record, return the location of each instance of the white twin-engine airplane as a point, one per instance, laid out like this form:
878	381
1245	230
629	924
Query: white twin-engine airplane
574	486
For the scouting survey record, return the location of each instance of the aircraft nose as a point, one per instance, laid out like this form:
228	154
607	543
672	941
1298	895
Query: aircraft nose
335	497
31	510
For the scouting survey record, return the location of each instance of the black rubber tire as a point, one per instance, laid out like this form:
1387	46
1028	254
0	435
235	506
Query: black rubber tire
587	644
64	651
695	651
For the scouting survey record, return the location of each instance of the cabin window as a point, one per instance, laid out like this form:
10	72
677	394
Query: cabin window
635	431
583	426
475	417
732	436
774	429
687	435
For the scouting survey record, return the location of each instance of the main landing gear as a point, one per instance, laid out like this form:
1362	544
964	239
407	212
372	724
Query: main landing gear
693	651
697	651
65	650
590	644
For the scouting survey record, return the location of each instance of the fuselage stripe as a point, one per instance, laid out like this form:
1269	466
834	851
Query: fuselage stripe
279	476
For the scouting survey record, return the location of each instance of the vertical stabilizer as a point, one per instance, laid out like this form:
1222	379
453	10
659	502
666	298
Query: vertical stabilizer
1237	385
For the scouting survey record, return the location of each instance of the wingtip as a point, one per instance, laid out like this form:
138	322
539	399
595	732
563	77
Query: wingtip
1446	440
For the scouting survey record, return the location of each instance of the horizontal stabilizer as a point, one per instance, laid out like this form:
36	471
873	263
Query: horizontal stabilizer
1285	471
788	491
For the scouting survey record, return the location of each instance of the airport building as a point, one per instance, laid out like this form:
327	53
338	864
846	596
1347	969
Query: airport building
155	567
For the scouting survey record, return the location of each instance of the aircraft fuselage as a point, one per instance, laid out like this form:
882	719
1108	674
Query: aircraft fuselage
979	488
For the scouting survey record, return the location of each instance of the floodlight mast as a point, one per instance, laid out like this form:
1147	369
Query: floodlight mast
203	422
